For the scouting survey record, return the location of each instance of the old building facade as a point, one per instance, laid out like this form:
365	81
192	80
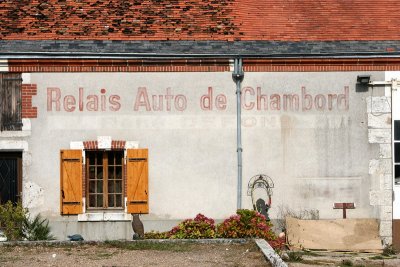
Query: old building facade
116	108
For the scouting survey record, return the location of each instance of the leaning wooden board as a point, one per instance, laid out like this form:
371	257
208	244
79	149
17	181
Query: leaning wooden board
340	234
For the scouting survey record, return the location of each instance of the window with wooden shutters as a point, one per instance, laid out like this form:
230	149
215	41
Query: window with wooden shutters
10	101
137	181
71	181
105	186
104	171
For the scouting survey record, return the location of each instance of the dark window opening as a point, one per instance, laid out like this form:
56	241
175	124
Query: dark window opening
396	152
105	180
10	177
10	101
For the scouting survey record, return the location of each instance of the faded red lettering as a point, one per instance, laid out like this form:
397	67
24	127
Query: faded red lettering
56	92
114	102
142	99
247	105
69	103
220	102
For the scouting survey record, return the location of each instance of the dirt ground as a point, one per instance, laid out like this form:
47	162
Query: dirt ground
121	254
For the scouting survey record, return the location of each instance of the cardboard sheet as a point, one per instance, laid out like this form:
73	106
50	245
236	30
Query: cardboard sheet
340	234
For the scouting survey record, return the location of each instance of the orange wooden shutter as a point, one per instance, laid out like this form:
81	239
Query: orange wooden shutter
137	172
71	181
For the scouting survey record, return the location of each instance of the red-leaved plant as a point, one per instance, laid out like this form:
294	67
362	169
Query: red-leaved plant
244	224
199	227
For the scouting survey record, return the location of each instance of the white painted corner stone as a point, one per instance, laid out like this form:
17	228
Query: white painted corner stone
14	145
26	125
131	144
380	197
385	151
76	145
386	182
386	213
379	136
26	78
380	104
384	121
104	142
380	166
385	228
3	65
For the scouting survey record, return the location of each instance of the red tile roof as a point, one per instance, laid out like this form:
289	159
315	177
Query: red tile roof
283	20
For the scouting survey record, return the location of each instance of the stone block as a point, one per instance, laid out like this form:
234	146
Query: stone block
385	151
386	213
76	145
131	144
378	104
385	228
26	78
380	122
380	166
380	197
104	142
379	136
386	182
26	125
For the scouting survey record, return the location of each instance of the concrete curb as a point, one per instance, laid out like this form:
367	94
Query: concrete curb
270	253
58	242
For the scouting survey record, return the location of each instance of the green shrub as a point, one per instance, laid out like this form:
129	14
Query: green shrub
11	220
37	229
156	235
16	224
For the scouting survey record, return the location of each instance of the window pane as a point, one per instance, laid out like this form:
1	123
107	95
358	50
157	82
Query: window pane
397	152
92	187
99	187
99	172
111	173
91	158
110	186
396	130
110	158
118	186
92	173
92	200
99	200
99	159
118	200
118	158
397	174
118	171
111	201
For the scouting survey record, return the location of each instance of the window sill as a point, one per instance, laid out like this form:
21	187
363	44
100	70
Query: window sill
104	217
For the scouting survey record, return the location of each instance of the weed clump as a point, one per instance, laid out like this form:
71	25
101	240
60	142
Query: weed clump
16	223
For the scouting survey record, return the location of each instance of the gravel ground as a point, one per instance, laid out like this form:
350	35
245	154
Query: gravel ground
343	259
120	254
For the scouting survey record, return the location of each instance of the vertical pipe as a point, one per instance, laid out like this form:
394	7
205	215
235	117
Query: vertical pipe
238	76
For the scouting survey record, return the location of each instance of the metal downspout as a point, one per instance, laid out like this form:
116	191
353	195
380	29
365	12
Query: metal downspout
237	77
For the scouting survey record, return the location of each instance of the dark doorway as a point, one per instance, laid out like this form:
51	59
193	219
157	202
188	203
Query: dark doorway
10	176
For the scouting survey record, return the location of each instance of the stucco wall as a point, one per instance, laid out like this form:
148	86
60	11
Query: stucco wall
317	154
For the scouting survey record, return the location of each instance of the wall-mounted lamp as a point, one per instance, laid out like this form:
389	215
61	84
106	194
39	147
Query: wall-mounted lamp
363	83
363	79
